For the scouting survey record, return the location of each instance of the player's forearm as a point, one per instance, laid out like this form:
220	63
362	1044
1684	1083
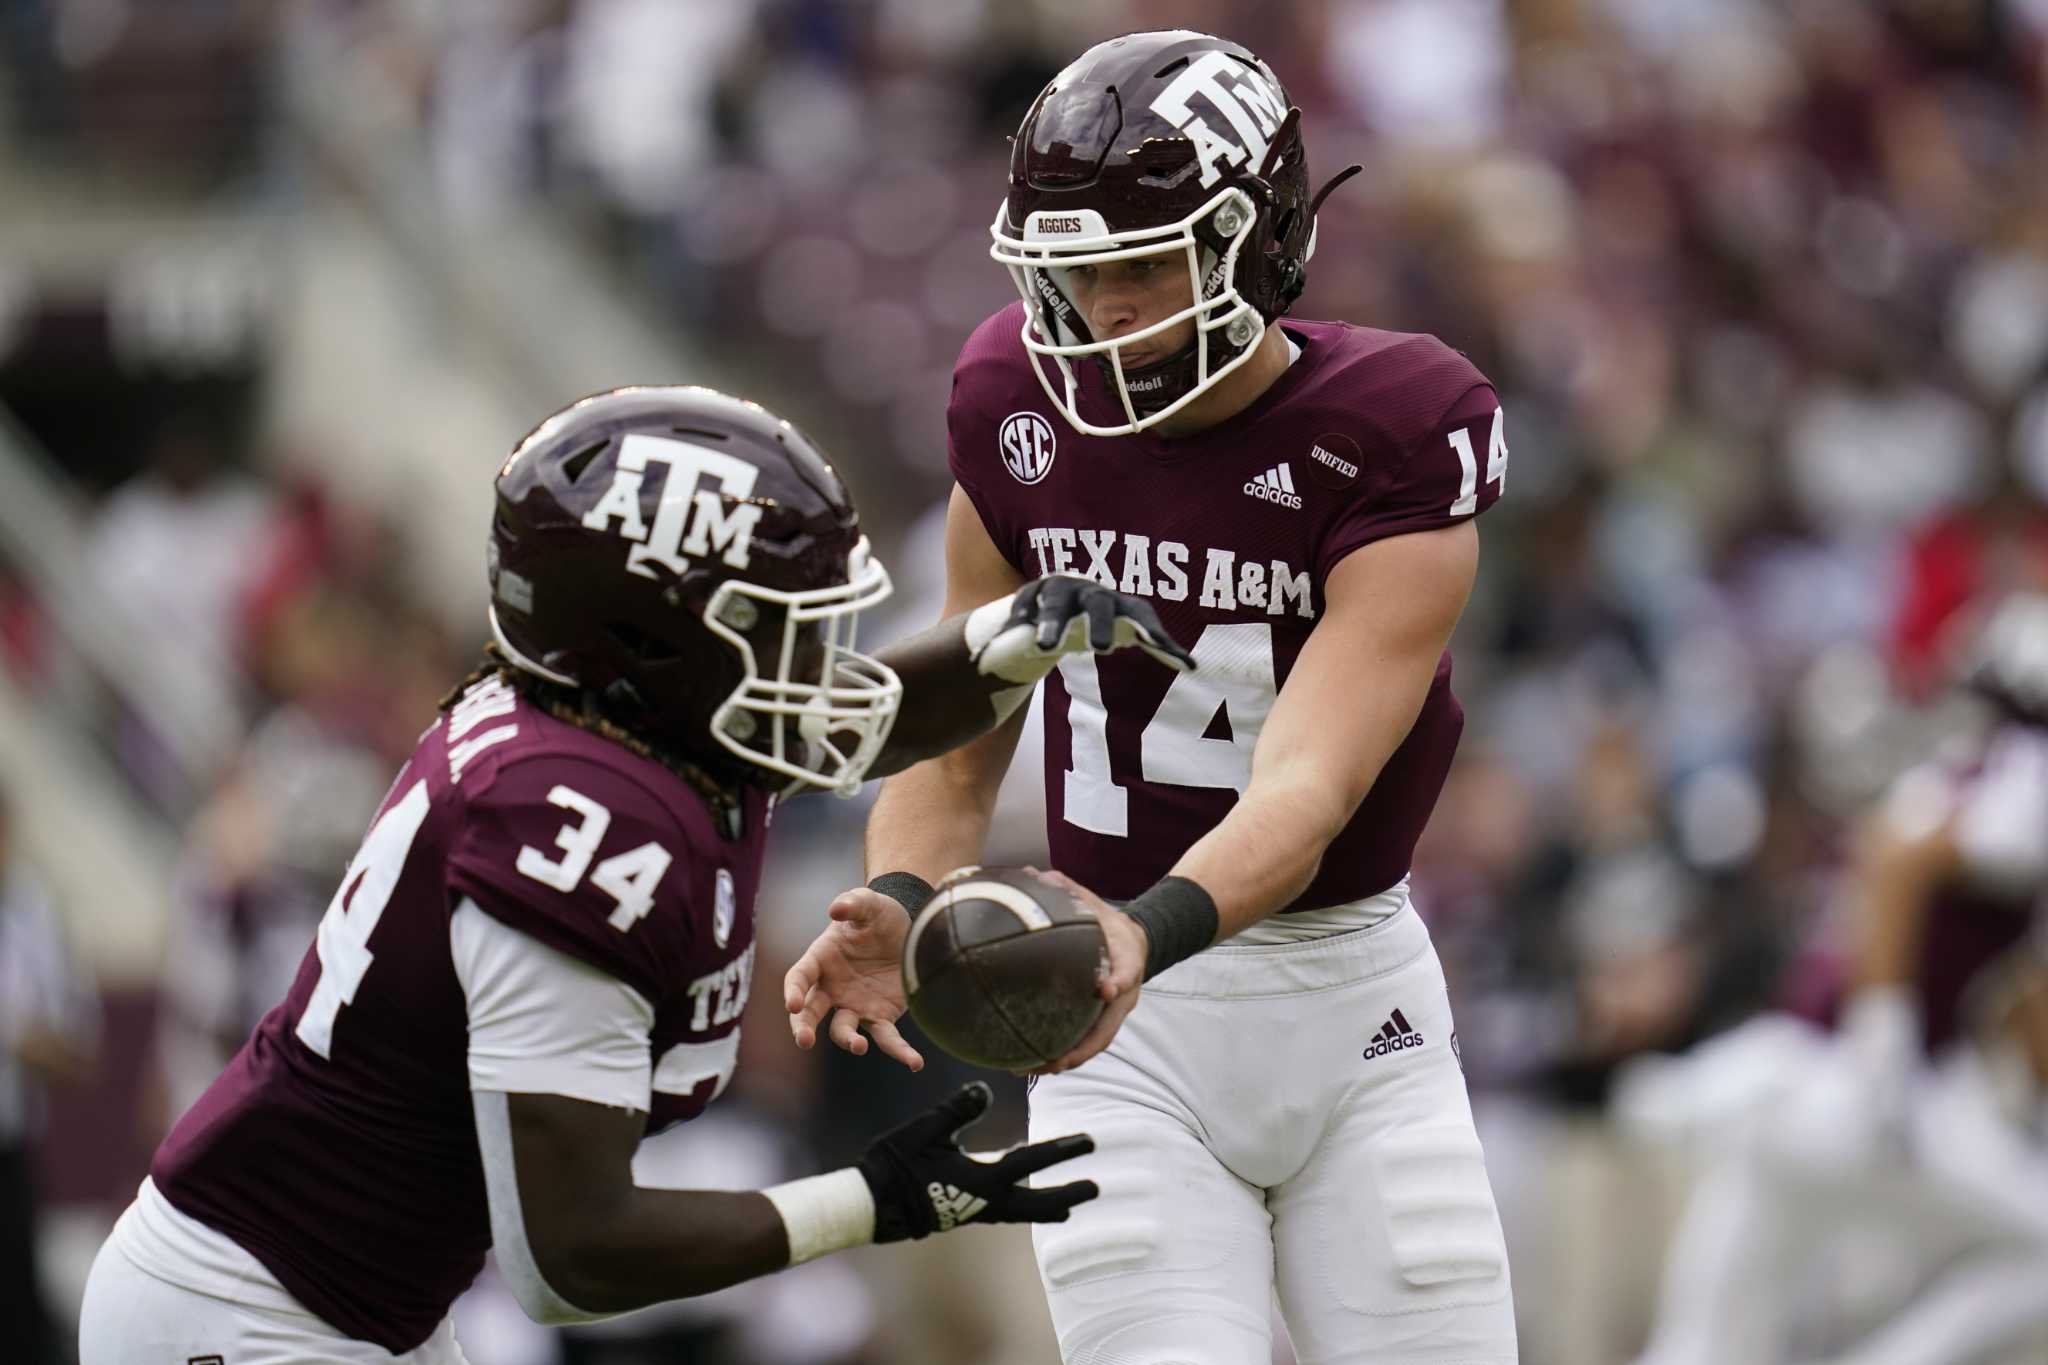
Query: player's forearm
935	817
947	701
576	1239
1391	608
654	1245
1264	854
1890	885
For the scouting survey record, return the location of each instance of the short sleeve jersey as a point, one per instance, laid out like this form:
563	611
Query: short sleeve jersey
339	1146
1231	534
1995	807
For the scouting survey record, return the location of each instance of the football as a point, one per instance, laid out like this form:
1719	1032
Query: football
1000	968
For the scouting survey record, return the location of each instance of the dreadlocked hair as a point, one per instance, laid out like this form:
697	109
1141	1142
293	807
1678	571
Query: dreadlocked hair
578	706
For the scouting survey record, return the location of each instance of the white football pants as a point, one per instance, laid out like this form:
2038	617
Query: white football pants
1290	1115
131	1316
1968	1213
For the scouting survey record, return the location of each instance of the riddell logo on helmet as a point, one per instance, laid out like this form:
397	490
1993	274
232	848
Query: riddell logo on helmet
690	522
1246	102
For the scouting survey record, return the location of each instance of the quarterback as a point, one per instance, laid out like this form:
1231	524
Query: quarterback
1298	500
543	947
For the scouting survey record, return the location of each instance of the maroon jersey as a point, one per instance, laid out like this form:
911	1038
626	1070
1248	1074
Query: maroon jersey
1231	534
1999	821
339	1146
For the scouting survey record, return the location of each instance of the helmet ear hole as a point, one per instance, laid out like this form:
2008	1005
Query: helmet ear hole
646	648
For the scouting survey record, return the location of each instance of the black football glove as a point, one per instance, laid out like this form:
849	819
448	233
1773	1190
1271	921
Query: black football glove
923	1183
1064	614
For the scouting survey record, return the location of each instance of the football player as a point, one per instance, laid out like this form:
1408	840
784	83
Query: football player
1951	1195
1950	866
1920	1121
544	944
1299	500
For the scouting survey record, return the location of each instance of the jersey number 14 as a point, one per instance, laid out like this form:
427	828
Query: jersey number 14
1234	675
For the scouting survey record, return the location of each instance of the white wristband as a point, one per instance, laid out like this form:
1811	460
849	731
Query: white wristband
1881	1028
825	1213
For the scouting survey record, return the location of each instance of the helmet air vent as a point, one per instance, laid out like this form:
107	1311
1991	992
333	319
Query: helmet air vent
580	461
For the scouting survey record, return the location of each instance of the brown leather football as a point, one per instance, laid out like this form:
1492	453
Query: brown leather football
1000	968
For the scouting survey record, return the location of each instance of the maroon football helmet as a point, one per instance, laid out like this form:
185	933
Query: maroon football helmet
1151	143
695	562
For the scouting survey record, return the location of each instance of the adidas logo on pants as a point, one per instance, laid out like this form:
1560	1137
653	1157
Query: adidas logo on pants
1393	1036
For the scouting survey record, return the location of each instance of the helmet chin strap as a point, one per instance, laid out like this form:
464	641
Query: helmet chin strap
1159	395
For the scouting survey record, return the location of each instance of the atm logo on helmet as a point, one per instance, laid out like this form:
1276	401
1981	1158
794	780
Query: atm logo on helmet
691	522
1235	94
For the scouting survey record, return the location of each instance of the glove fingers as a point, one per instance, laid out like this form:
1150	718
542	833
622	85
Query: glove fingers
1039	1155
1153	641
1056	602
1154	638
964	1107
1101	609
1048	1206
1176	660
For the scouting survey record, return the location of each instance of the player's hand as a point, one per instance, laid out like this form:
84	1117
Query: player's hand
853	971
1123	971
923	1183
1063	614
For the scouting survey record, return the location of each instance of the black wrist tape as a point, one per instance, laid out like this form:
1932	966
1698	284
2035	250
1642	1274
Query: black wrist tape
1179	919
907	889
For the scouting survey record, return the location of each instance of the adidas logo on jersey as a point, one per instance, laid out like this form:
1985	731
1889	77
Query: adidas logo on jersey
953	1205
1393	1036
1275	485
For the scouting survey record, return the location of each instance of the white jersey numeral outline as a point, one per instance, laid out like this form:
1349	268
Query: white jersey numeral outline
630	878
1468	464
1234	672
343	941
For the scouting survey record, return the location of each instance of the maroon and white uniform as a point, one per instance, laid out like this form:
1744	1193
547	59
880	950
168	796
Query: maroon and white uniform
339	1147
1996	809
1231	534
1342	1168
1899	1128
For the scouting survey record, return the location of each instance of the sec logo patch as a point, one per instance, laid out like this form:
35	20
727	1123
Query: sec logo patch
725	907
1027	443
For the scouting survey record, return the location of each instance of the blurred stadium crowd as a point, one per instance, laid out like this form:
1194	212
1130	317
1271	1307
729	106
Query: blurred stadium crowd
1763	285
